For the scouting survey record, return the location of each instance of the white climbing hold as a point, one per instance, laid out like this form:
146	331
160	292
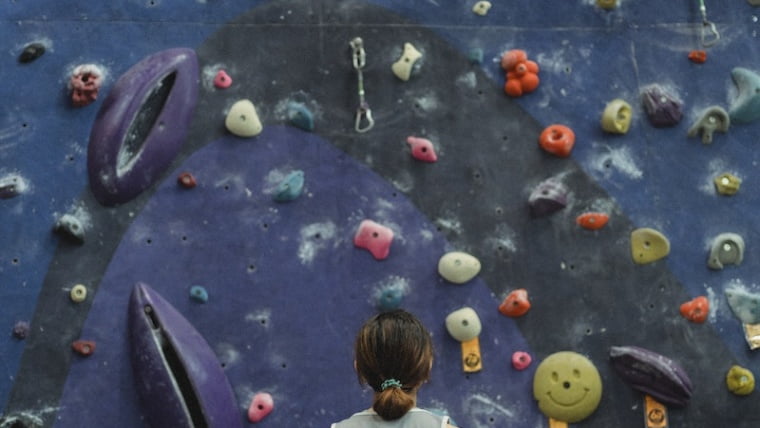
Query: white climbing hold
481	8
458	267
242	119
403	67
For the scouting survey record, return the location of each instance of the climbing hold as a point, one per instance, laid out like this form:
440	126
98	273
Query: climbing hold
726	249
481	8
696	310
698	56
141	125
242	119
606	4
727	184
521	360
422	149
754	2
84	348
711	120
557	140
516	304
70	227
746	107
592	221
186	180
567	387
31	52
662	107
290	187
652	374
464	325
11	186
20	330
744	304
522	74
648	245
458	267
374	238
740	381
389	297
222	80
300	116
403	67
78	293
199	293
616	117
84	84
476	56
262	405
547	198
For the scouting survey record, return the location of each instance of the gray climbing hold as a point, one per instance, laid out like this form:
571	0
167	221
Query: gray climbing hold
744	304
70	227
746	107
548	197
476	56
300	116
11	186
711	120
726	249
31	52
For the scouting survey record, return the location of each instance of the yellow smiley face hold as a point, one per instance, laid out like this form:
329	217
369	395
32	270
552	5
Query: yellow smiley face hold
567	387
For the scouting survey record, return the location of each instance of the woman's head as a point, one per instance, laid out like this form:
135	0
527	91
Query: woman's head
394	355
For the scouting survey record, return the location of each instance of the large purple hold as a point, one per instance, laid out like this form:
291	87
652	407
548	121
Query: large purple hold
548	197
662	107
653	374
141	125
177	375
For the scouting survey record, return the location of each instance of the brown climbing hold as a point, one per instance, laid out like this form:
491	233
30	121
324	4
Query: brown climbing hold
186	180
83	347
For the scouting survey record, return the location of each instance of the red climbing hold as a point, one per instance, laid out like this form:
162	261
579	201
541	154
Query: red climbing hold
186	180
516	304
698	56
522	74
375	238
84	84
557	140
83	347
696	310
592	221
422	149
222	80
521	360
261	405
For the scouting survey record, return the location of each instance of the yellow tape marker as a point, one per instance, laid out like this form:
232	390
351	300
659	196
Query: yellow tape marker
553	423
655	413
471	361
752	335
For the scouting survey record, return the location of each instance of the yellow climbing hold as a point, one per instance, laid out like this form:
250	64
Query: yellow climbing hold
740	381
648	245
606	4
616	117
727	184
78	293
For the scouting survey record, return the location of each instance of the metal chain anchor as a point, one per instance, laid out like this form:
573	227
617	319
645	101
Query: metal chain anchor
363	112
709	35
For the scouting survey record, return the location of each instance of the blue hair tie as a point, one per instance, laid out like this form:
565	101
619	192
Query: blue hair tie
388	383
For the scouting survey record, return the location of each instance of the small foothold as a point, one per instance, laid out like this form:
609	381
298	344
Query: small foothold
422	149
746	107
616	117
403	67
740	381
516	304
186	180
20	330
481	8
374	238
389	297
548	197
511	58
522	74
744	304
464	324
476	56
11	186
727	184
31	52
557	140
648	245
222	80
592	221
696	310
84	348
458	267
300	116
606	4
521	360
84	83
290	188
567	387
262	405
726	249
242	119
70	227
78	293
199	293
698	56
711	120
662	107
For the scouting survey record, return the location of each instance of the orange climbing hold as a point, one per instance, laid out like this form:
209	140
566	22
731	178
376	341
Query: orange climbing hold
592	221
557	140
516	304
696	310
522	74
698	56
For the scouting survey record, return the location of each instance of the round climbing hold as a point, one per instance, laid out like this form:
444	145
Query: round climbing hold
186	180
84	348
648	245
20	330
31	52
726	249
557	140
482	7
222	80
242	119
521	360
199	293
375	238
389	298
458	267
567	387
84	84
516	304
78	293
698	56
422	149
727	184
464	324
522	74
592	220
696	310
606	4
740	381
262	405
616	117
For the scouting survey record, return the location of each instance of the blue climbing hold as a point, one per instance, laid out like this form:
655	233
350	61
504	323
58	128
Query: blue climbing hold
744	304
389	297
290	188
746	107
300	116
476	56
199	293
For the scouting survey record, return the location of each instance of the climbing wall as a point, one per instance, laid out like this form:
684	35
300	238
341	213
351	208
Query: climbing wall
285	287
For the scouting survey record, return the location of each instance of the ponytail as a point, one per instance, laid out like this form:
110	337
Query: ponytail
392	403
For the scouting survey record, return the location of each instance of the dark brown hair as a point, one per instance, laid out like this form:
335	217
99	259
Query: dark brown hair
393	345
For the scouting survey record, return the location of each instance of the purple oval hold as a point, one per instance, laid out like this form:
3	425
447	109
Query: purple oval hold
653	374
141	125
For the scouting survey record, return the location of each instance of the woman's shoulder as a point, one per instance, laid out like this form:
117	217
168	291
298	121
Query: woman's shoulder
361	419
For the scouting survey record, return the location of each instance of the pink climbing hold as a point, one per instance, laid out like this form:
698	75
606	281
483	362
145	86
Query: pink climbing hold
521	360
84	84
222	80
375	238
261	405
422	149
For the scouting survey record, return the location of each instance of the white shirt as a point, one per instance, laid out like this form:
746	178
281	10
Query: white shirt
414	418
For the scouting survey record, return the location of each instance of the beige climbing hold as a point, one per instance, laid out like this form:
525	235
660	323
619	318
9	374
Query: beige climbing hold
727	184
242	119
606	4
403	67
616	117
458	267
464	324
481	8
648	245
78	293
